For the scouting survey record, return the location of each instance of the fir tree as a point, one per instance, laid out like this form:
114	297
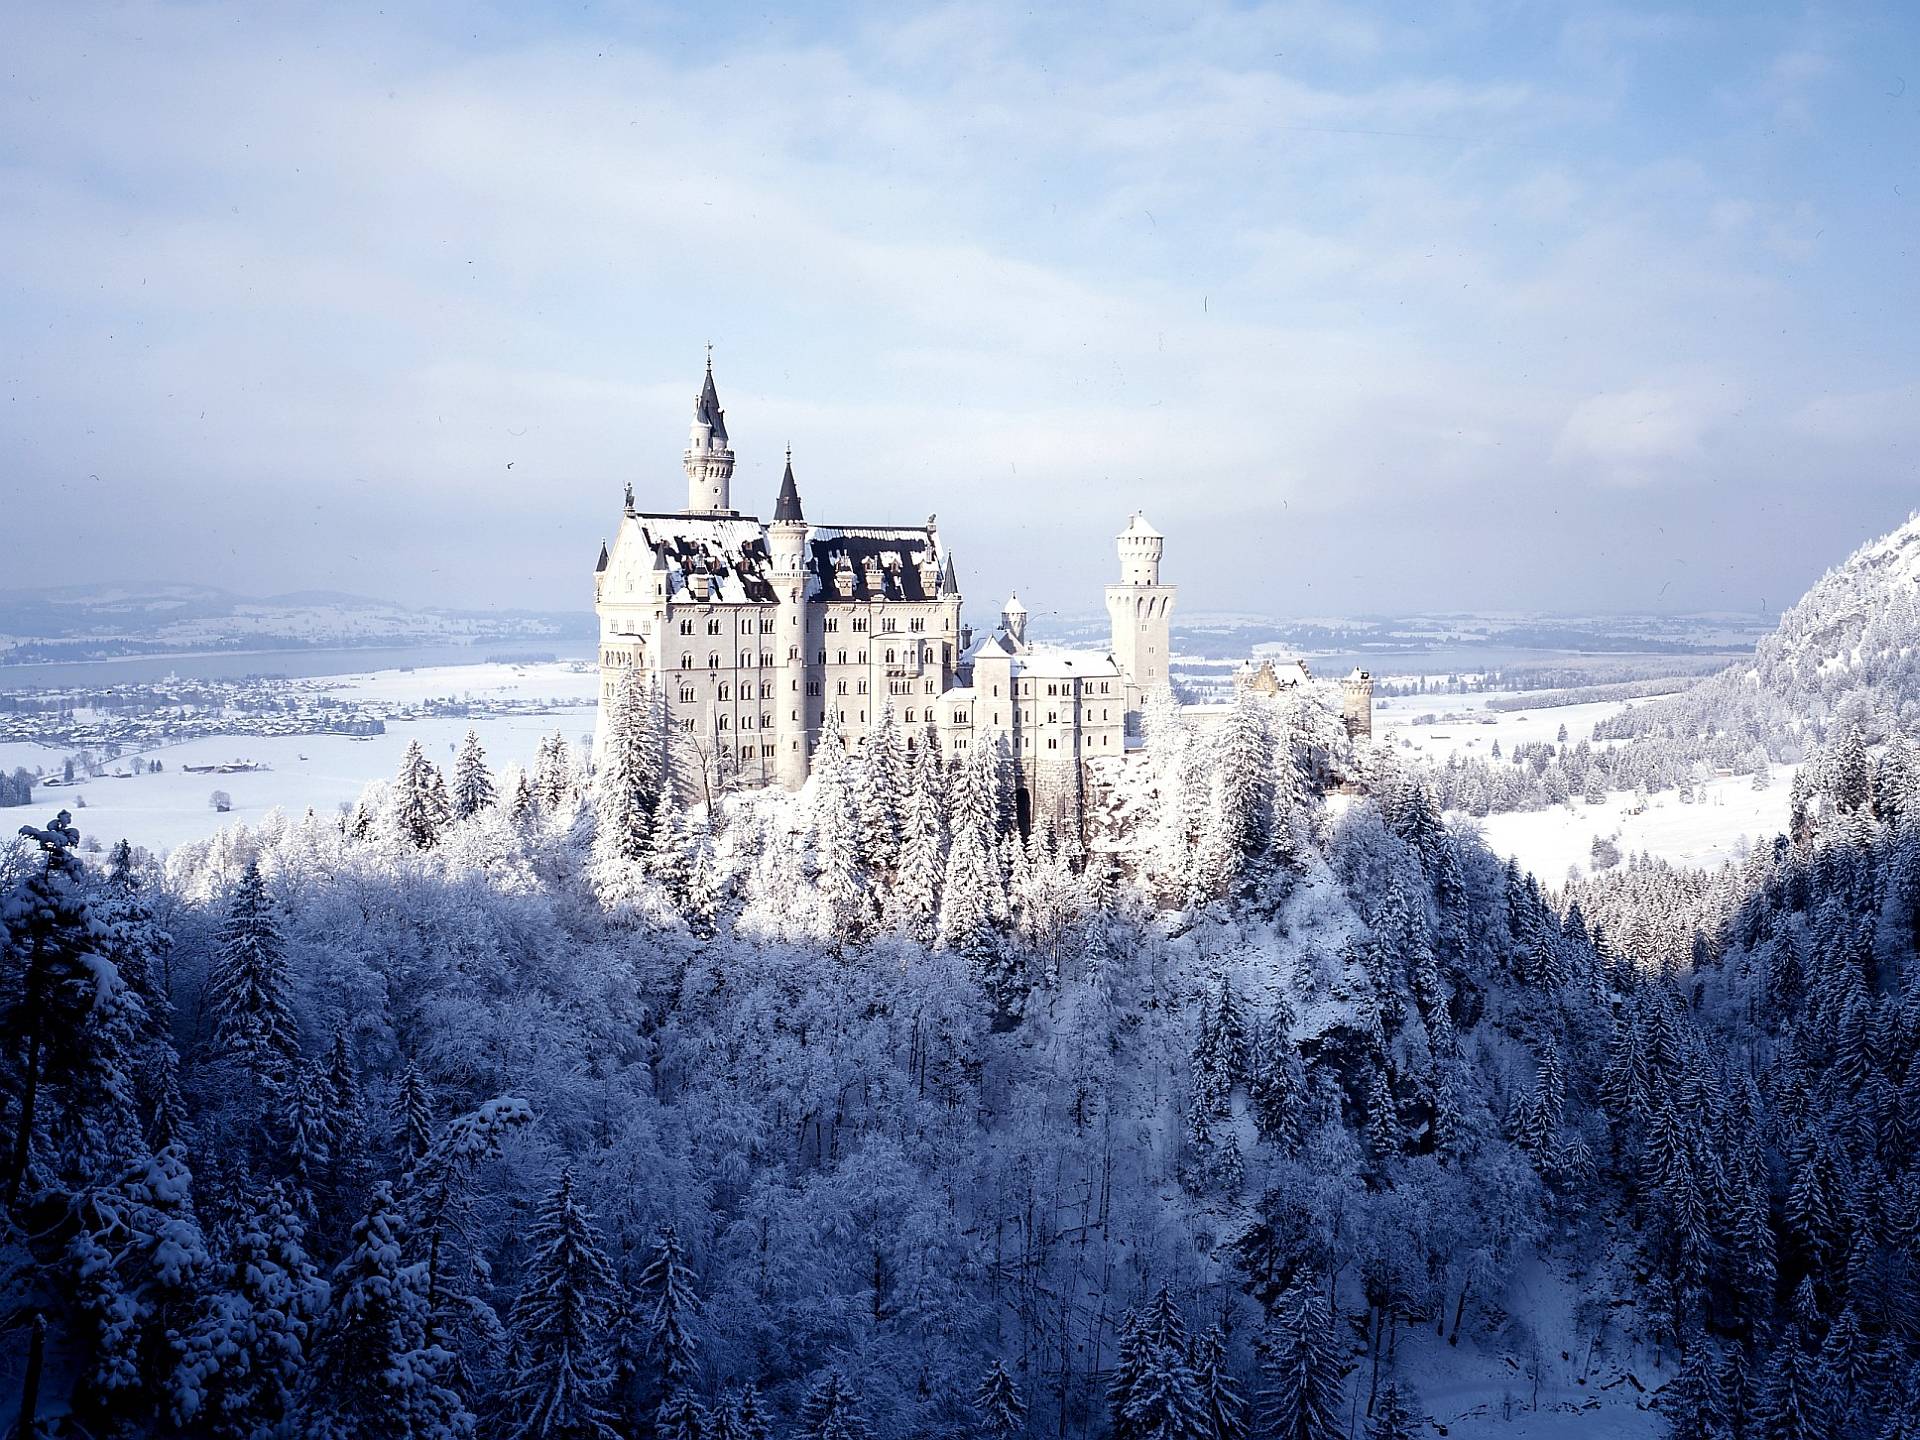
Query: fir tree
1394	1415
412	1118
1300	1398
670	1305
472	782
831	1410
561	1373
420	806
1003	1414
250	989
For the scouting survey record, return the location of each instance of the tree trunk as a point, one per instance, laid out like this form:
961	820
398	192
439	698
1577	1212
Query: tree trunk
29	1426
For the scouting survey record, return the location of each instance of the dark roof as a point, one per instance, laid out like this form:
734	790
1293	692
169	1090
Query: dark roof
949	580
707	408
603	558
787	507
873	563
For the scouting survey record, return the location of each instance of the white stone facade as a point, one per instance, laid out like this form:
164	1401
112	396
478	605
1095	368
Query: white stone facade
755	630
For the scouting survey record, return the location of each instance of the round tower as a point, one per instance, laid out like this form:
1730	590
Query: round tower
787	550
709	460
1013	618
1141	611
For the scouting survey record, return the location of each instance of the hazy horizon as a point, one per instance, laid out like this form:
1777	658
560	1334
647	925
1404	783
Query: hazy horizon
1480	310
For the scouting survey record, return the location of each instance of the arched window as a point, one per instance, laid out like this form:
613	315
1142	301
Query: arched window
686	660
713	660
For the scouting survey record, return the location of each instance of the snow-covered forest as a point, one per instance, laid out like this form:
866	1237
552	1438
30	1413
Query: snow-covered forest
1265	1103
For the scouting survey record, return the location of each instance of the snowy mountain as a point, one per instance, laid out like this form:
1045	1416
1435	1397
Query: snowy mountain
98	621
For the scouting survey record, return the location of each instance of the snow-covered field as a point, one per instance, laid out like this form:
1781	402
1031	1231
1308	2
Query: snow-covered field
1727	814
317	771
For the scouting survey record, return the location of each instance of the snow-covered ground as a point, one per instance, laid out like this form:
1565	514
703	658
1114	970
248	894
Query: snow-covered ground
317	771
1727	815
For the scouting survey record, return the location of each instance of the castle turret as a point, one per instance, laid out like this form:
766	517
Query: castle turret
1356	705
787	548
1013	619
709	461
1141	610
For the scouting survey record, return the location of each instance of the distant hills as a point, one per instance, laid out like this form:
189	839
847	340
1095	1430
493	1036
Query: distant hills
90	622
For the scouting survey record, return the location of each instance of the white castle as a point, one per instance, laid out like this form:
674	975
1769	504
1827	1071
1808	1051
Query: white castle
755	630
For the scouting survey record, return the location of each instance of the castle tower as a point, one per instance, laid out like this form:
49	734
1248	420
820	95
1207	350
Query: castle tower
1013	619
1356	705
1141	610
787	546
709	461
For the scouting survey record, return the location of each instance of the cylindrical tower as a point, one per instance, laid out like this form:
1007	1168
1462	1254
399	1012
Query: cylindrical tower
709	460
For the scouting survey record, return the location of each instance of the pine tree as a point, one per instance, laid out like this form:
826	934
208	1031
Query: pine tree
1695	1404
1301	1370
838	843
420	806
915	903
971	892
632	774
472	782
250	989
412	1118
378	1377
1277	1083
1795	1400
667	1291
1002	1412
249	1348
346	1120
304	1122
831	1410
561	1372
1223	1409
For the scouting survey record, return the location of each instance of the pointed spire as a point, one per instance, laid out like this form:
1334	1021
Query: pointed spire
603	558
786	509
706	408
949	579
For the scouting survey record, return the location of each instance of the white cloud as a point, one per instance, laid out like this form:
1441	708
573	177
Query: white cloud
1645	434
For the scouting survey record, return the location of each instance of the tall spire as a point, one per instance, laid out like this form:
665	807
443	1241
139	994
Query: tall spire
786	509
949	579
708	460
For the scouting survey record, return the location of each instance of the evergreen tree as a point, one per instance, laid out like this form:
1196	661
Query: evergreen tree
831	1410
1003	1414
472	782
915	904
1223	1410
561	1372
412	1118
668	1297
1301	1370
420	806
632	774
250	990
1394	1415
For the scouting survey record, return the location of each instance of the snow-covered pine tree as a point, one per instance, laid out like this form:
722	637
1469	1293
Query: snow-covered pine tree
378	1375
914	903
411	1120
881	791
250	1346
1394	1415
1003	1414
1300	1370
669	1305
561	1372
839	846
250	990
419	799
831	1410
632	772
473	789
1223	1408
972	894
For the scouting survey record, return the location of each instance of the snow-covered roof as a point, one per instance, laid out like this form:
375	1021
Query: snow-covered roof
1138	528
1054	662
730	550
873	562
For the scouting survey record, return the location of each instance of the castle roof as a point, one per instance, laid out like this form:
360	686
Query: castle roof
1137	527
706	407
949	579
603	558
873	562
787	507
730	551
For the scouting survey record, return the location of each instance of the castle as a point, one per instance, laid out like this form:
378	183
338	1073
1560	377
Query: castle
755	630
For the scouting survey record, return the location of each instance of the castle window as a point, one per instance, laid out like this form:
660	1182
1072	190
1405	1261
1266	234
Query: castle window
863	657
842	689
1053	717
766	752
890	659
686	660
766	690
723	692
713	626
766	658
813	687
766	722
959	742
686	627
863	687
766	624
917	625
842	657
724	723
859	624
909	716
713	660
1053	744
833	624
746	626
793	652
929	687
686	694
687	724
823	657
746	752
888	625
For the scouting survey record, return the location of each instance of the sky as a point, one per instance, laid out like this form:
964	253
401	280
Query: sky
1444	306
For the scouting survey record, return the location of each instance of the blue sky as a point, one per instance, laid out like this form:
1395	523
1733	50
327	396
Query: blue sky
1452	305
